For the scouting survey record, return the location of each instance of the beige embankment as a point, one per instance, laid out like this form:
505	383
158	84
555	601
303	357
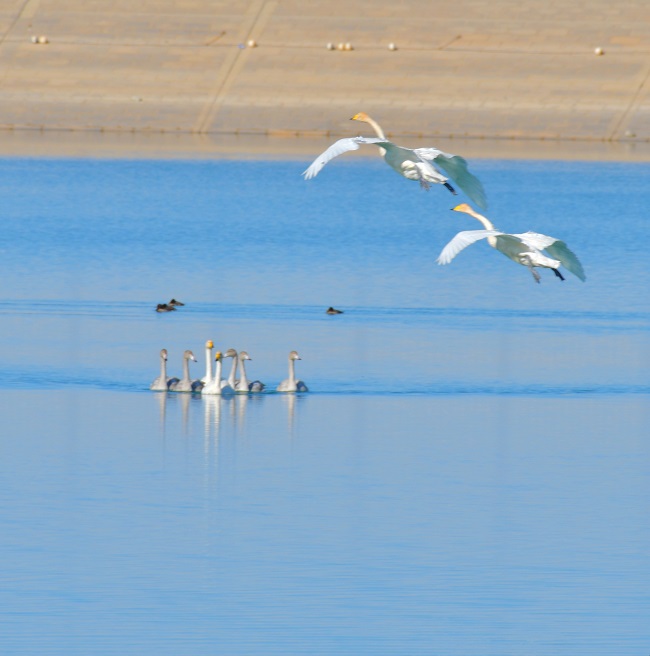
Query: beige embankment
497	74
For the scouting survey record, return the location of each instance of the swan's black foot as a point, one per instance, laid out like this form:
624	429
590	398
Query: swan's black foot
558	274
453	191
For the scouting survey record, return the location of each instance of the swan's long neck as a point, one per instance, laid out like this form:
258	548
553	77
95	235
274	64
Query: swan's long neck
292	371
186	369
208	366
487	224
233	373
243	380
378	131
217	373
163	369
376	127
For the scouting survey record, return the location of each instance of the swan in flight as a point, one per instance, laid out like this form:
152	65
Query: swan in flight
291	384
525	249
216	385
243	385
186	384
162	383
414	164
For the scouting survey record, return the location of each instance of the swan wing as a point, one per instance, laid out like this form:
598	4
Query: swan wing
337	148
463	240
456	168
536	240
557	249
560	251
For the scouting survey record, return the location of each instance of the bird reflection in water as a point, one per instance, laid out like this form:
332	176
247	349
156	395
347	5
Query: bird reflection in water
215	408
219	413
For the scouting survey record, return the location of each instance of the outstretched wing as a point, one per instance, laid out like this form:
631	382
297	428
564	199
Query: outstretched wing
557	249
456	168
560	251
463	240
337	148
536	240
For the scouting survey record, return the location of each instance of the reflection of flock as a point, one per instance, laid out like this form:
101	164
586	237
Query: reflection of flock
221	412
420	164
213	383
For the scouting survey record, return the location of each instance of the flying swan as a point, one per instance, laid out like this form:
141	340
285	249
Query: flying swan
525	249
416	164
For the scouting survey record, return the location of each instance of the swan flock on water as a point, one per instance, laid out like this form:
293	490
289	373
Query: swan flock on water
432	166
424	165
213	383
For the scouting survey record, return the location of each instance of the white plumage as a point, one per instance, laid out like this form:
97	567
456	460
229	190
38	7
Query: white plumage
414	164
525	249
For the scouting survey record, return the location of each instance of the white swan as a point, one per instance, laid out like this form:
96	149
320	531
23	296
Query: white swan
243	385
162	383
413	164
186	384
525	249
232	376
291	384
216	385
208	362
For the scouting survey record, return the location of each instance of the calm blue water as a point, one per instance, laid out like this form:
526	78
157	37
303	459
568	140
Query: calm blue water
470	473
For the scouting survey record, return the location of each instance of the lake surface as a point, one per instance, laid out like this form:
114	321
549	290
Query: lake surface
469	473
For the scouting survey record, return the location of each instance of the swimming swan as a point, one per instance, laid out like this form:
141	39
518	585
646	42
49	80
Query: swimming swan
413	164
186	384
216	385
242	385
291	384
162	383
525	249
232	376
208	362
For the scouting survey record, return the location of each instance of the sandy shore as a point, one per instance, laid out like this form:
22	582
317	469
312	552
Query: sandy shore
134	145
535	71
